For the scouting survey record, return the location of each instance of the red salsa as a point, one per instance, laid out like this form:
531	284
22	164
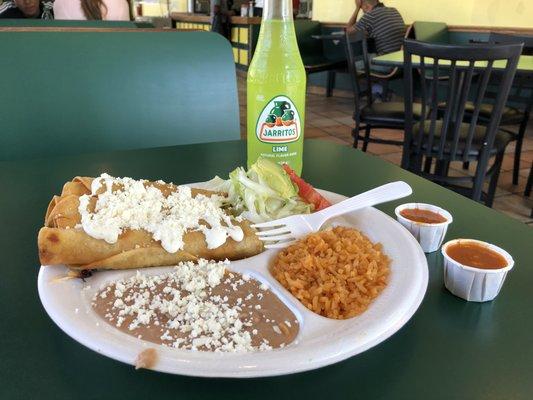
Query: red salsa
425	216
476	255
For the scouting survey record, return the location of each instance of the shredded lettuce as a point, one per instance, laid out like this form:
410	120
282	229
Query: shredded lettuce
263	193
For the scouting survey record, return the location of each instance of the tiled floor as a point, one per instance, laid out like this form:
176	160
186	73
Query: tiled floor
330	119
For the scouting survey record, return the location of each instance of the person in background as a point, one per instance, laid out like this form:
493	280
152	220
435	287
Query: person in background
109	10
386	26
221	10
27	9
295	8
258	7
383	24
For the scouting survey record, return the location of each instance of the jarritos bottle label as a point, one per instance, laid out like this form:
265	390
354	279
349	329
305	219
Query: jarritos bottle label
279	122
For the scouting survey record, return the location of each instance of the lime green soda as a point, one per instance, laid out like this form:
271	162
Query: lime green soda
276	90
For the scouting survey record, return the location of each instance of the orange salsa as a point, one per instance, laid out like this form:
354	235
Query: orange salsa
476	255
425	216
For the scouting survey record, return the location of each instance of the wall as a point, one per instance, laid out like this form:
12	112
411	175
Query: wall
154	8
506	13
178	5
158	8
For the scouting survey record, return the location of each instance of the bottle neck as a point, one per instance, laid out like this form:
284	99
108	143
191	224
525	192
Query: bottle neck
277	9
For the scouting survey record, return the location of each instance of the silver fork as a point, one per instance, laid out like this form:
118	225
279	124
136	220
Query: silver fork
286	230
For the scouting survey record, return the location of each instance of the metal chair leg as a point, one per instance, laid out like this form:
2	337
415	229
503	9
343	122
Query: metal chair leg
518	150
494	179
366	138
527	192
418	163
442	167
355	134
446	169
412	162
331	83
427	165
386	89
466	165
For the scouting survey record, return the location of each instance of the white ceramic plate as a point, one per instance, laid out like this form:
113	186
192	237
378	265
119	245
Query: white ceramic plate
321	341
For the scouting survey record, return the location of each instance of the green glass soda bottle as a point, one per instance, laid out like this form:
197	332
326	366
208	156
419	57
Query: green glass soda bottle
276	90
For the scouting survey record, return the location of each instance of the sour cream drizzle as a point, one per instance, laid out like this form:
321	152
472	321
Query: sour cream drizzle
135	205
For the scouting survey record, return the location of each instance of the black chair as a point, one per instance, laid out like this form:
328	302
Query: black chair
518	109
369	114
445	134
527	192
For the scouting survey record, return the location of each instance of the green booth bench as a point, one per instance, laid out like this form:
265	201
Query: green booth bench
77	92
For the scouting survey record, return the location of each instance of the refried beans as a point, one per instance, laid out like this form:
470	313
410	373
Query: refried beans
198	306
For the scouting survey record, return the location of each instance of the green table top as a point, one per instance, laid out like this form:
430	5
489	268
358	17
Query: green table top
450	349
525	63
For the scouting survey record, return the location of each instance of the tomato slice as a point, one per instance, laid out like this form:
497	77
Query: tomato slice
306	191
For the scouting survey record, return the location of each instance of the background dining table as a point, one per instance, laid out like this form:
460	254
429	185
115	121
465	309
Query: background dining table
450	349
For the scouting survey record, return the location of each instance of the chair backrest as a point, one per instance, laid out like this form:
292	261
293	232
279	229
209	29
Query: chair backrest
75	92
462	64
357	56
431	32
521	95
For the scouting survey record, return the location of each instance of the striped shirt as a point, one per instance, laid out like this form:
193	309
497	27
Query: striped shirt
386	26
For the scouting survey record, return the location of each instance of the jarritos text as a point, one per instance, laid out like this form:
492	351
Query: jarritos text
279	122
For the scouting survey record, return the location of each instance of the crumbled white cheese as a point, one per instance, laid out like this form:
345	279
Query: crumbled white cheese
126	203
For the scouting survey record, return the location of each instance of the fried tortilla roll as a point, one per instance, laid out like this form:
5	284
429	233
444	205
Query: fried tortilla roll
60	242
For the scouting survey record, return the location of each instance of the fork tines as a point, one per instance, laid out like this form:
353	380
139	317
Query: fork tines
276	238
